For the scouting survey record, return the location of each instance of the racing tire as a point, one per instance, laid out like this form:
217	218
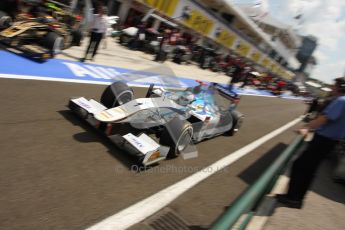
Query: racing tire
54	43
125	39
77	36
116	94
177	59
5	20
237	120
205	63
161	56
178	136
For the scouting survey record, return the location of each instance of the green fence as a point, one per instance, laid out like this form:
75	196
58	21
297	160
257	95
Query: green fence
250	198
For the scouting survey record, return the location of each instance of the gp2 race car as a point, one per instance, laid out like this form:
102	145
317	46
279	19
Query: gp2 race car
42	37
164	123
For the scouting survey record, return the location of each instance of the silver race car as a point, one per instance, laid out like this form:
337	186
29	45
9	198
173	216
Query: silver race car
165	123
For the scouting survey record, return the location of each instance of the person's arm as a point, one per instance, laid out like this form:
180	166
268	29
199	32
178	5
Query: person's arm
317	122
332	112
314	124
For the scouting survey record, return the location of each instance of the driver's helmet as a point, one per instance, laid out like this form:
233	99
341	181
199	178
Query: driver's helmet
186	98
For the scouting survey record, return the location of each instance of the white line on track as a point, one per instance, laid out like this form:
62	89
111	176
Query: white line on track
145	208
29	77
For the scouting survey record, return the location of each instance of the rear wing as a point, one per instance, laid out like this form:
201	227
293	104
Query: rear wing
230	95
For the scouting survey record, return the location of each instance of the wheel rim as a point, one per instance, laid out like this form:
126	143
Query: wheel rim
123	97
5	21
8	22
239	124
184	139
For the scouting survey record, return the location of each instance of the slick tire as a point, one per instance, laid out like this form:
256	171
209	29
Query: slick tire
5	20
77	36
177	135
237	123
54	43
116	94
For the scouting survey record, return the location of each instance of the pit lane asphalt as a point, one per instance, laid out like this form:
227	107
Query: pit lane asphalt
57	173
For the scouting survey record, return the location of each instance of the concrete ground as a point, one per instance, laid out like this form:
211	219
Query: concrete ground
324	206
120	56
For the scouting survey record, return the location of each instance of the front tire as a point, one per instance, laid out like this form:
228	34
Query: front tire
177	135
125	39
116	94
237	123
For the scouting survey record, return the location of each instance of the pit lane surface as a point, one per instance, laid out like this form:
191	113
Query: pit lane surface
57	173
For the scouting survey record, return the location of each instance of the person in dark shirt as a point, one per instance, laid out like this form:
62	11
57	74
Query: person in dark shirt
313	105
235	75
329	128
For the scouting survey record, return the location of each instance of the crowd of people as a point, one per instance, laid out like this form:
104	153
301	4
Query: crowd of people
185	47
176	43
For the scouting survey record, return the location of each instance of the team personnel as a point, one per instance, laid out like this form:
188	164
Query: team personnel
98	27
329	128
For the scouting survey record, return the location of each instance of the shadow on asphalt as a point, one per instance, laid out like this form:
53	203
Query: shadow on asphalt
70	56
254	171
323	184
93	135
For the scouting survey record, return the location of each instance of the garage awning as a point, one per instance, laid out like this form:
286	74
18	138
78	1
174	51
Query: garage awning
326	89
313	84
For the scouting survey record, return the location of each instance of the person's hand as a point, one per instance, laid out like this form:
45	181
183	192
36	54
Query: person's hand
303	131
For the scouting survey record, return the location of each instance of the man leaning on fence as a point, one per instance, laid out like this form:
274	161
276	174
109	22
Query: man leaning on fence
329	127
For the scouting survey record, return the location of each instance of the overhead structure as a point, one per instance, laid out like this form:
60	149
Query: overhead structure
217	22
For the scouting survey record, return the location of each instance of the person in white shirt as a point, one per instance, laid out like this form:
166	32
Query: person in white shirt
98	29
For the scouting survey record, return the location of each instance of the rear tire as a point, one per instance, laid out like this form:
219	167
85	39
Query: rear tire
116	94
76	37
5	20
54	43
